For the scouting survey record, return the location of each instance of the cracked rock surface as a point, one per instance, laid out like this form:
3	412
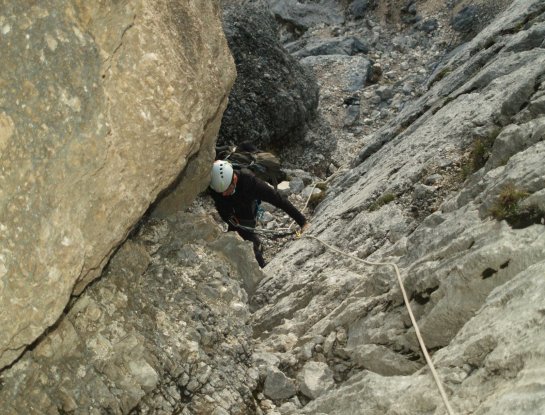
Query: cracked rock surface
443	175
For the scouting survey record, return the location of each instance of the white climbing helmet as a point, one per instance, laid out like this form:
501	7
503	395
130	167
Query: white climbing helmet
222	175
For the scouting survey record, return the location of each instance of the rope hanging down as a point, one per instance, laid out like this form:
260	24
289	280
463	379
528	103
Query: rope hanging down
411	315
407	304
288	231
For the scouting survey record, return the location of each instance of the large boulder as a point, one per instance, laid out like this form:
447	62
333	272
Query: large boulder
274	98
298	17
103	105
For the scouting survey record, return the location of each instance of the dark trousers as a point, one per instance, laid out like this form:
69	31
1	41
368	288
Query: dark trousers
250	236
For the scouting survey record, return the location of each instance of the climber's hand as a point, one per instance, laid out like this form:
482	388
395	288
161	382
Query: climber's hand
305	227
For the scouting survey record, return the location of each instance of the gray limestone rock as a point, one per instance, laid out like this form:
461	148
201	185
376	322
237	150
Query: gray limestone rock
170	327
297	185
303	15
381	360
335	46
315	378
278	386
274	98
513	139
158	333
103	106
472	278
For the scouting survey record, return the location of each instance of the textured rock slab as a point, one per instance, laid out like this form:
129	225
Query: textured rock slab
454	256
493	366
103	105
278	385
158	333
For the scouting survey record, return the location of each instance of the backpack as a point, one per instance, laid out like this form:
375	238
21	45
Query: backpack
247	156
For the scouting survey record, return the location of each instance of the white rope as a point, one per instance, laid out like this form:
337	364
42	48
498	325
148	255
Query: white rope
413	320
306	203
407	304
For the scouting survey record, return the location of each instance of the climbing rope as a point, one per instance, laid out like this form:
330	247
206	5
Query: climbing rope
405	299
288	231
411	315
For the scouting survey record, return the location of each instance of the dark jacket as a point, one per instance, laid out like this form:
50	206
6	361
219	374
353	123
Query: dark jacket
242	204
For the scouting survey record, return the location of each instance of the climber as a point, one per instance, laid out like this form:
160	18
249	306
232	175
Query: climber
237	193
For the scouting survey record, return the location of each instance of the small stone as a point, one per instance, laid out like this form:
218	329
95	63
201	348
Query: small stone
306	350
329	341
311	191
315	378
192	386
433	179
146	375
341	335
296	185
278	386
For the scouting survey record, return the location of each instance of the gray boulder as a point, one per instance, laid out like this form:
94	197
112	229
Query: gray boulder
359	8
315	378
304	15
335	46
278	386
274	97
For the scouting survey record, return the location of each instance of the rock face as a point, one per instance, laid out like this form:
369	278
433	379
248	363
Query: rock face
452	191
274	98
158	333
102	106
451	188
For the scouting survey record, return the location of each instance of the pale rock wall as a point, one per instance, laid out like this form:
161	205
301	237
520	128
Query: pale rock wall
475	282
102	106
164	330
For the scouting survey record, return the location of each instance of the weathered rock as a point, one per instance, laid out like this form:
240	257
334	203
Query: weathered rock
303	16
311	191
347	74
514	139
159	332
381	360
474	282
466	269
315	378
297	184
274	97
344	46
489	343
359	8
278	386
103	105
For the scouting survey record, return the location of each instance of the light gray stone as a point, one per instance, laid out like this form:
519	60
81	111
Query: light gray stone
381	360
278	386
297	185
311	191
315	378
514	139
